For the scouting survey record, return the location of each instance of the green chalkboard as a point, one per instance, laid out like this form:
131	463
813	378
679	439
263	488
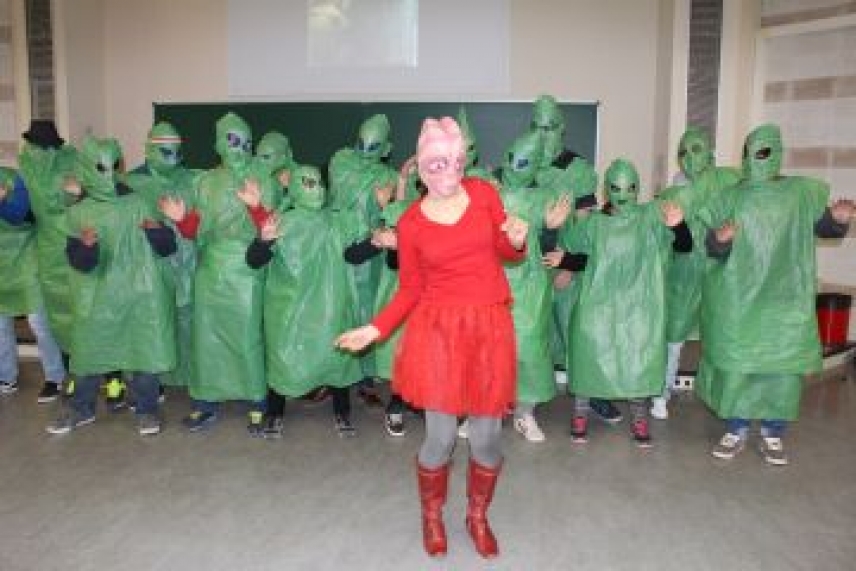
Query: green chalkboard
319	129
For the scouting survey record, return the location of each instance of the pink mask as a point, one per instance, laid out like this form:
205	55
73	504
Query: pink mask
441	156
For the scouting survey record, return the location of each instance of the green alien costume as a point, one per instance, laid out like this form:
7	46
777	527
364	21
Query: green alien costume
123	309
228	348
758	308
355	174
19	288
617	333
530	280
44	171
274	155
164	174
310	293
686	273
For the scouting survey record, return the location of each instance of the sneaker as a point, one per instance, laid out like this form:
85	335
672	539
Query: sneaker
115	394
730	445
370	397
255	424
394	423
49	393
344	426
659	408
579	429
606	411
272	427
464	429
68	421
641	433
528	427
8	387
148	424
773	451
198	421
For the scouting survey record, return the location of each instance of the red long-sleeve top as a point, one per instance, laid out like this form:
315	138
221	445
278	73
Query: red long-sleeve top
188	226
451	264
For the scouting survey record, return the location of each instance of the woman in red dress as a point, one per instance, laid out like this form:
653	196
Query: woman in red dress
457	354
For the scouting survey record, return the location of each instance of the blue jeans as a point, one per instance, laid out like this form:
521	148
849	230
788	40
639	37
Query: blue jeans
212	407
145	386
769	428
49	353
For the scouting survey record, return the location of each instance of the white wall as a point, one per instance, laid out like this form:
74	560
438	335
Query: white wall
163	50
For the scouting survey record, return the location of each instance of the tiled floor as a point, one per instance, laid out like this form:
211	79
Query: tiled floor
105	498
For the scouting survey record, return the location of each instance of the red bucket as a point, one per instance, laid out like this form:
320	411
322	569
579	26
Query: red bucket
833	317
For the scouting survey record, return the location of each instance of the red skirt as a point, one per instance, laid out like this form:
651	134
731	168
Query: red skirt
459	360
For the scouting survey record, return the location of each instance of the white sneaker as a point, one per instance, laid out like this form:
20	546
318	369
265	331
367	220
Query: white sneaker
773	451
464	429
528	427
729	446
660	408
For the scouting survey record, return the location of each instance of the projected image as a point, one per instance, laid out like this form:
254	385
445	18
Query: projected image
362	33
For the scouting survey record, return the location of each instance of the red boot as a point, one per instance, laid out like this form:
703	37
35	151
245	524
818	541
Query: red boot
433	488
481	482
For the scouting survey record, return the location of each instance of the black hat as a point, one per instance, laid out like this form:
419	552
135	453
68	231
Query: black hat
42	133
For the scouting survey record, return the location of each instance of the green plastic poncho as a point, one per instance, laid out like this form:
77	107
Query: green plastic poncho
578	180
19	288
228	348
617	334
548	120
473	169
123	309
355	174
309	298
164	174
274	155
530	281
686	272
44	172
758	310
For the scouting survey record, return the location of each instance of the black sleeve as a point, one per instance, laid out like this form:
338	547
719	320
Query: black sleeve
827	227
81	257
587	201
392	260
716	249
162	240
549	239
259	253
573	262
683	242
360	252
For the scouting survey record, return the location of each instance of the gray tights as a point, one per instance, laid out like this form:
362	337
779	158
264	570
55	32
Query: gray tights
441	433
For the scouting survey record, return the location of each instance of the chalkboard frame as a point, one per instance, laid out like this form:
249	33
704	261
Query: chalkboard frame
317	129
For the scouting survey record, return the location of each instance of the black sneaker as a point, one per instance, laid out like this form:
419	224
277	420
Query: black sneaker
394	422
49	393
272	427
606	411
198	421
8	387
344	426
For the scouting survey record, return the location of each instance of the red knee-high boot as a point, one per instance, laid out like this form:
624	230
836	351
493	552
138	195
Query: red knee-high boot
433	489
481	482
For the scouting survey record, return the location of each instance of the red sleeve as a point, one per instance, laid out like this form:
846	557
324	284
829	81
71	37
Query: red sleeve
504	249
188	226
409	282
258	214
